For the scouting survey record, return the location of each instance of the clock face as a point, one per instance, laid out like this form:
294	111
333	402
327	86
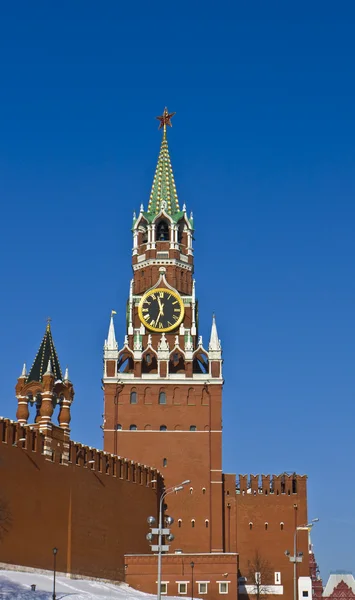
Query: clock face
161	310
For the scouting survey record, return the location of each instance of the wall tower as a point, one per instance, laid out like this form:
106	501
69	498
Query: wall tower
44	388
163	387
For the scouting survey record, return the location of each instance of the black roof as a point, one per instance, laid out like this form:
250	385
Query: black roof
45	353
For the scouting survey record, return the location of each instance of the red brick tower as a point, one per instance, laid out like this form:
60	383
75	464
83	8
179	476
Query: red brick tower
44	388
163	388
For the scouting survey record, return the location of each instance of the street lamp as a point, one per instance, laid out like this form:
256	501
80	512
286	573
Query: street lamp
161	531
55	550
298	556
192	564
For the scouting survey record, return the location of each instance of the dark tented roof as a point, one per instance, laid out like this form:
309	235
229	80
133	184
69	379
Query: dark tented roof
45	353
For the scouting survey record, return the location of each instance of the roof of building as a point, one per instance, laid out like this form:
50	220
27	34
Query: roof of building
164	188
46	353
335	579
163	195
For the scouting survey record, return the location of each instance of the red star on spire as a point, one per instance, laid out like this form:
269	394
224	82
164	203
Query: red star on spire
165	118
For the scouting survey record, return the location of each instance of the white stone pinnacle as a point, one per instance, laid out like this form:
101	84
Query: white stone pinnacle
66	374
163	344
215	344
111	343
24	372
49	368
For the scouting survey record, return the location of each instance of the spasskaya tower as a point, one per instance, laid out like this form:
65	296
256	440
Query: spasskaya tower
163	386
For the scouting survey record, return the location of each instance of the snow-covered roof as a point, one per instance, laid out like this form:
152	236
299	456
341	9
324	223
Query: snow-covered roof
16	585
335	579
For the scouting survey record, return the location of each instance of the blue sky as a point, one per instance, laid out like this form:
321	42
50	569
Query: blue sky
262	148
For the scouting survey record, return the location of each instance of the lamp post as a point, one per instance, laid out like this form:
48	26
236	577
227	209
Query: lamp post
160	531
55	550
192	564
298	556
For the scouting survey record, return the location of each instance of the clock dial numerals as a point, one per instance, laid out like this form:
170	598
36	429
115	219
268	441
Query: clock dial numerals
161	310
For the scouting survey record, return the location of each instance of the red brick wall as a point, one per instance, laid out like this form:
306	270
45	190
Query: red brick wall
141	573
259	503
91	516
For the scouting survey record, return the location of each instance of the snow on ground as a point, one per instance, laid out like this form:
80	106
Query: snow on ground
16	585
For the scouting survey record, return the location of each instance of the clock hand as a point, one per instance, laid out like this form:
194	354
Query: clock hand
161	307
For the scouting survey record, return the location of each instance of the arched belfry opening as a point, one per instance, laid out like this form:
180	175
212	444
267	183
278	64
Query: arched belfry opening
200	362
125	362
142	234
149	362
163	234
176	362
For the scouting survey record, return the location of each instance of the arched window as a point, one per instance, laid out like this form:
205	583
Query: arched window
162	398
148	359
250	525
163	428
266	526
118	427
193	428
281	526
165	462
191	490
133	397
179	523
163	232
133	427
206	523
203	490
192	522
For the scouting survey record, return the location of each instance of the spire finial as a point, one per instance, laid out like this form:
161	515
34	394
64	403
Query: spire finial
49	368
48	323
163	188
110	343
66	375
165	119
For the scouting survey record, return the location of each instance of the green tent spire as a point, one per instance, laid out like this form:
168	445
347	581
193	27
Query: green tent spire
163	194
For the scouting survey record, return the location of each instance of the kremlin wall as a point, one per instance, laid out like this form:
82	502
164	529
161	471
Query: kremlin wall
93	512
